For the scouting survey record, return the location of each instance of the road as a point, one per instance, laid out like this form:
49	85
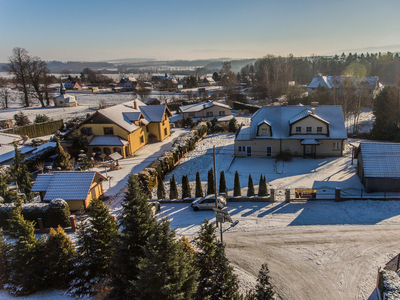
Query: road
317	262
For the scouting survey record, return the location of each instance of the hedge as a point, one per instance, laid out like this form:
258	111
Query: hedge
148	176
40	156
53	214
251	108
35	130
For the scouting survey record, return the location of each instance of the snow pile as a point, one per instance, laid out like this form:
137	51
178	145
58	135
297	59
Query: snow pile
391	282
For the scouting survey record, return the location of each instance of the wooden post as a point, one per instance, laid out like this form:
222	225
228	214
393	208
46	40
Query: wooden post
40	222
73	223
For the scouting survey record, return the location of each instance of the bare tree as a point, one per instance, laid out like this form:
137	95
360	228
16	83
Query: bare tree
18	66
5	97
38	72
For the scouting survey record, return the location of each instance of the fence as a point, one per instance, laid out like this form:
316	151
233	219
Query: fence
35	130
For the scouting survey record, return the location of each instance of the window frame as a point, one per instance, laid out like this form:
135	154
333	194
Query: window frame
106	130
298	129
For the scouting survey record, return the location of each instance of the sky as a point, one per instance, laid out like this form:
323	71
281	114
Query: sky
168	30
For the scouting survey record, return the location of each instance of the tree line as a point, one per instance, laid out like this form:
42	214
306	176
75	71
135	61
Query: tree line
136	258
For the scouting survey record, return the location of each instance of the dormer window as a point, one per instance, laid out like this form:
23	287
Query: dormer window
264	131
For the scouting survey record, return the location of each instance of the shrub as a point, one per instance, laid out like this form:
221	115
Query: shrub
42	119
250	187
199	189
21	119
236	188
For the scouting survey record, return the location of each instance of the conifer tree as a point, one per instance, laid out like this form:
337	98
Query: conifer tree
261	191
137	224
5	258
95	247
160	188
265	185
59	253
250	187
63	158
167	271
21	173
210	182
222	184
173	190
199	189
185	187
236	187
264	289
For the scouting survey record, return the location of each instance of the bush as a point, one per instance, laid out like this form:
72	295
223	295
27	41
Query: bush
42	119
21	119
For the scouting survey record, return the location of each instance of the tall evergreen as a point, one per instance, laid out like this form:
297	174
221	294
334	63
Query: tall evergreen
5	259
185	187
210	182
236	187
95	247
264	288
262	186
160	188
199	188
167	271
21	174
222	184
63	158
173	190
137	224
250	187
265	185
59	253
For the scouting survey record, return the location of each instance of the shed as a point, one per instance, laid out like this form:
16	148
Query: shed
378	166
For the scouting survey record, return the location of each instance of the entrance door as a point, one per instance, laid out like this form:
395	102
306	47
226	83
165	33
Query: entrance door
269	151
308	149
248	151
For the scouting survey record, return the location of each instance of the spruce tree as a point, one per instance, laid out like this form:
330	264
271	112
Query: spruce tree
173	190
160	188
185	187
261	191
167	271
222	184
59	253
250	187
265	185
95	247
137	224
236	187
63	158
199	188
21	174
264	288
210	182
5	259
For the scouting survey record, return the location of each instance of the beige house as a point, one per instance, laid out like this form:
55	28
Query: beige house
299	130
64	99
207	109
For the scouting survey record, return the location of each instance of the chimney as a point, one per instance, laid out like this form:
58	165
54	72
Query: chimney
134	104
313	111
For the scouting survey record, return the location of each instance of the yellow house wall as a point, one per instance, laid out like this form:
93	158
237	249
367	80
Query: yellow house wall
264	126
165	126
134	139
309	122
75	205
98	129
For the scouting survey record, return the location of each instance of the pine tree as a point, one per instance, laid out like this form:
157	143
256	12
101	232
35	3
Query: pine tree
137	224
59	253
173	190
250	187
21	174
260	187
264	289
222	184
226	284
199	189
210	182
265	185
63	158
236	187
95	247
185	187
160	188
167	271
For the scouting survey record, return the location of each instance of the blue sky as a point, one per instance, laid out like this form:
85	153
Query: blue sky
103	30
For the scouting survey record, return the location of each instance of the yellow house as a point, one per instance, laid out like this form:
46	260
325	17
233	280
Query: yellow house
125	128
75	187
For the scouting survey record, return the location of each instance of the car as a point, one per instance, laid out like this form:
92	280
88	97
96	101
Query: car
208	203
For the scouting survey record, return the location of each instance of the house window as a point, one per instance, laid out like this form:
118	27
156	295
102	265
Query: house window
319	129
165	131
248	154
269	151
86	131
191	115
108	131
336	146
298	129
222	113
264	131
309	129
209	114
242	149
142	139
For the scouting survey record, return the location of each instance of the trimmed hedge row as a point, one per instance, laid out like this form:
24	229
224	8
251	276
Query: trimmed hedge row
148	176
35	130
251	108
40	156
53	214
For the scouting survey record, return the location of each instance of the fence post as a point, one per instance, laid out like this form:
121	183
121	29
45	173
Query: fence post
287	194
73	223
40	222
272	192
337	193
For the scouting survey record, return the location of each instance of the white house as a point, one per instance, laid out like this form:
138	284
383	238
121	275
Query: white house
206	109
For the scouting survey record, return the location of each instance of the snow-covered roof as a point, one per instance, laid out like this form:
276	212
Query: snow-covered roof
381	159
263	122
67	185
281	117
200	106
309	142
66	96
337	82
107	140
154	113
132	116
11	152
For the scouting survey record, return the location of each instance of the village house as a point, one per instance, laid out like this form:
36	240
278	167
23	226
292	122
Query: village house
123	128
378	166
77	188
128	84
207	109
64	99
72	85
298	130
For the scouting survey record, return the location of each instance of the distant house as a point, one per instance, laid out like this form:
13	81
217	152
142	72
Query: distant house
128	84
378	166
209	80
208	109
77	188
299	130
64	99
370	84
72	85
